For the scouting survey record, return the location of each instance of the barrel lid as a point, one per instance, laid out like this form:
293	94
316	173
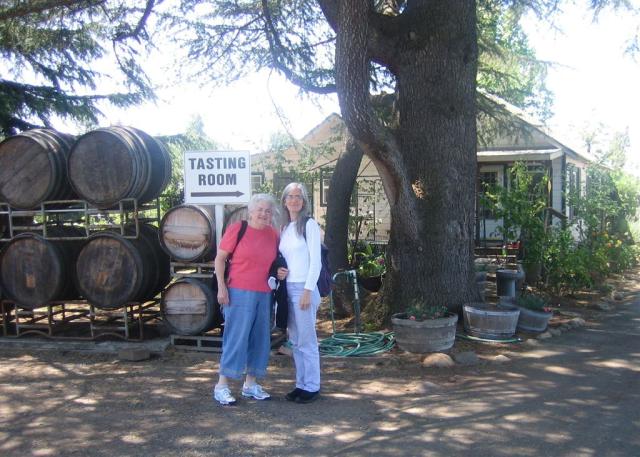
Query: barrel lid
108	270
188	306
186	232
31	271
26	170
102	166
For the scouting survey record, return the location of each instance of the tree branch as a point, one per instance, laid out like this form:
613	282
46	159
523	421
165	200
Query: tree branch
330	10
279	52
36	7
141	23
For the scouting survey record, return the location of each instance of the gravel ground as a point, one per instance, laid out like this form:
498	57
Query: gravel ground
59	402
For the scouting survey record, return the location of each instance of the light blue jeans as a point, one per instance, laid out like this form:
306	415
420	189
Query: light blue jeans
246	341
303	337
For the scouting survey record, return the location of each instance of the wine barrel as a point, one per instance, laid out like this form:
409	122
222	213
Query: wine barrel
234	213
35	271
112	271
189	306
109	164
187	233
33	168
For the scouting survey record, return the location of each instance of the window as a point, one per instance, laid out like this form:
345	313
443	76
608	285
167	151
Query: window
486	180
257	180
280	181
572	189
325	182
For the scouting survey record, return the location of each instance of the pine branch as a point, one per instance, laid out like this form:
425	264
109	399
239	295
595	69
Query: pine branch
140	26
279	53
36	7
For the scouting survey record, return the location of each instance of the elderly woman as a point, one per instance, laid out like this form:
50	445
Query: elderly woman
300	246
245	298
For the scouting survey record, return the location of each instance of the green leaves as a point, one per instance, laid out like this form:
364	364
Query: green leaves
59	53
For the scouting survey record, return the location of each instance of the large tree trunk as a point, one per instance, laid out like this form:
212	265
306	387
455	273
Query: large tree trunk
342	181
336	235
428	162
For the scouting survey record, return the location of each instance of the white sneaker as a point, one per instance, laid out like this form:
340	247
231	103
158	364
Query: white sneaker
223	395
255	391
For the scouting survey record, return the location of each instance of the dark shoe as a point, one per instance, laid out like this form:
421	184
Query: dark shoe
307	397
294	394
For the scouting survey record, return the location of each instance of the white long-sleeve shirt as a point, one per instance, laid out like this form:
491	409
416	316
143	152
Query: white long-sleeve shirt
303	258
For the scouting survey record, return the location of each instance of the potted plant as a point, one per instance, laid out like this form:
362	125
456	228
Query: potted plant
535	312
370	266
422	328
489	321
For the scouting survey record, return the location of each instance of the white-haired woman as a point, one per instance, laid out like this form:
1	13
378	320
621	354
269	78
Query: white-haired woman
300	246
245	298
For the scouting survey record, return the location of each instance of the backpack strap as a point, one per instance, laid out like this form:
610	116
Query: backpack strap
241	232
243	229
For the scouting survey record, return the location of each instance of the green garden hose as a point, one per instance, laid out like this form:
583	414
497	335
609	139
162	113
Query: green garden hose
358	343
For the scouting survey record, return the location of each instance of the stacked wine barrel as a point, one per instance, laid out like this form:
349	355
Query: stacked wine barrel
187	234
102	167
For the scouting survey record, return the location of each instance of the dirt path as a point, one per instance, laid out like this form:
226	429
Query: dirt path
552	398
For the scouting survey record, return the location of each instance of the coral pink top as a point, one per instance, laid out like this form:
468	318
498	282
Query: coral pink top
252	258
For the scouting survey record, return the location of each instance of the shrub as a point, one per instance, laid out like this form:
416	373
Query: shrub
533	302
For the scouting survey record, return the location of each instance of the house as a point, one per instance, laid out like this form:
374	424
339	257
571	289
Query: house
517	138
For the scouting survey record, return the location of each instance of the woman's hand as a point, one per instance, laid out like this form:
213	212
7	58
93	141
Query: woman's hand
305	299
223	295
282	273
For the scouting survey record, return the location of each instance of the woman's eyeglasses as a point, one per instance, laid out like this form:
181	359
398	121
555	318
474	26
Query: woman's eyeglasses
293	197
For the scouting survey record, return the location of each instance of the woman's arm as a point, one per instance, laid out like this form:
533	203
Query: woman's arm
220	265
315	261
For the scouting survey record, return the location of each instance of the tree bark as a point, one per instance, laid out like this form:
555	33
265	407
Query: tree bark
336	235
427	164
339	200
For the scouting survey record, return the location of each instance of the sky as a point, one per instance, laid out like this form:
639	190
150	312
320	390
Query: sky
592	79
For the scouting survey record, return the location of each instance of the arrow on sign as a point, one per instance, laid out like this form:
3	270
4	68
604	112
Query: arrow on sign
236	194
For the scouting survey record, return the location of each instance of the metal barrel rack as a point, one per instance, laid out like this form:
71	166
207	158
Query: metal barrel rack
82	215
77	320
203	270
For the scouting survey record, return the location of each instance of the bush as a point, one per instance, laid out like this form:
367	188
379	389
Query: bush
532	302
567	264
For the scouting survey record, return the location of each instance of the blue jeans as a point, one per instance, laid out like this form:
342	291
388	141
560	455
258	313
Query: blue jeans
304	340
246	342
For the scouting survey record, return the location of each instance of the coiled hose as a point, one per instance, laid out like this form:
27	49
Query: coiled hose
358	343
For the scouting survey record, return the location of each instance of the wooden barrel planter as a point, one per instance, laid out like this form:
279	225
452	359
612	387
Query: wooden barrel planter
113	163
189	306
33	168
112	271
35	271
187	233
529	320
430	335
489	321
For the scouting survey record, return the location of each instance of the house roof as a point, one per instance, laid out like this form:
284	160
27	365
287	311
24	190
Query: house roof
551	147
503	155
553	137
